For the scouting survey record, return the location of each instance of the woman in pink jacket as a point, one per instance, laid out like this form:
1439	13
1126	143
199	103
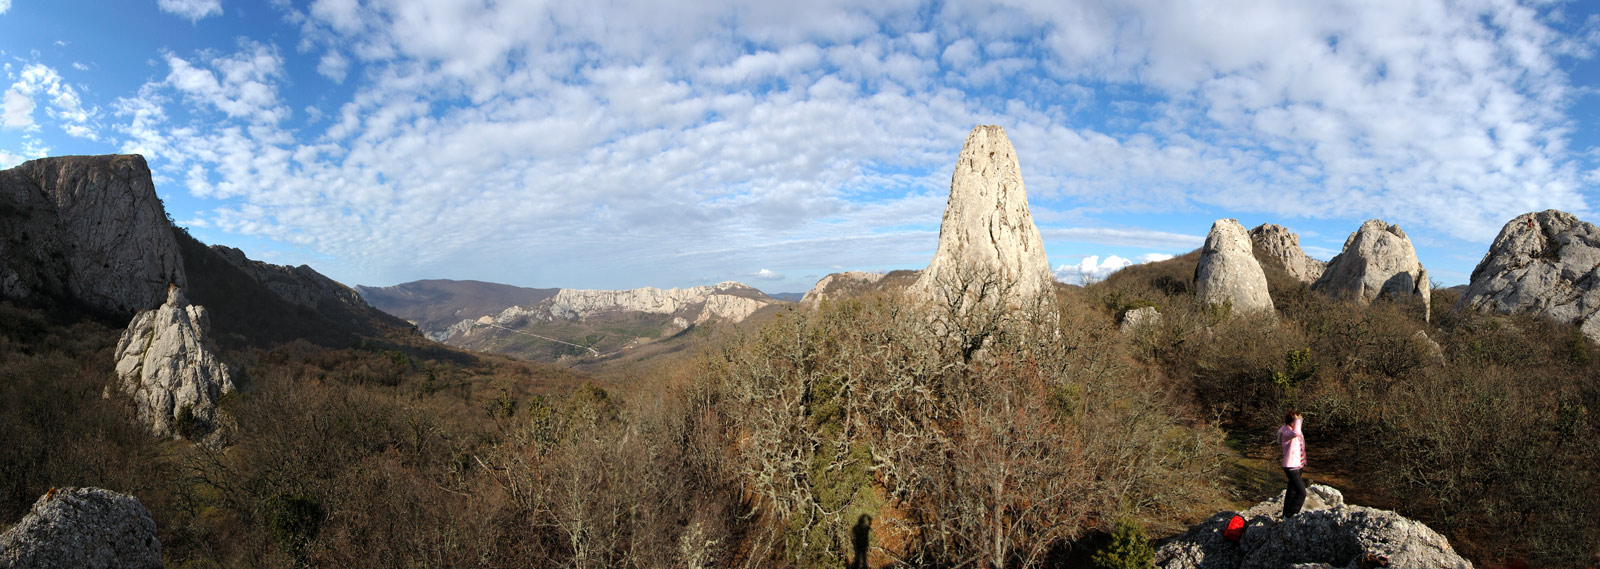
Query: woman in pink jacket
1293	442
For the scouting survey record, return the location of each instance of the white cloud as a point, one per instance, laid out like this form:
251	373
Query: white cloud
1090	269
333	65
194	10
79	66
242	86
1123	237
766	275
5	5
18	109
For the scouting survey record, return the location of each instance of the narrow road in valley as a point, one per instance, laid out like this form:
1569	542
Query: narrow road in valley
592	351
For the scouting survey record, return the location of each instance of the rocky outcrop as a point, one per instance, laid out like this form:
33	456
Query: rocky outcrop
1545	263
1378	261
1278	243
86	227
299	285
1228	272
987	231
1139	319
727	301
839	283
1327	533
82	528
166	364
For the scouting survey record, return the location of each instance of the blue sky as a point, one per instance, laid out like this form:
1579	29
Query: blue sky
628	143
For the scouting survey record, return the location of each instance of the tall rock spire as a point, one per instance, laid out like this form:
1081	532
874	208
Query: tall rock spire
987	234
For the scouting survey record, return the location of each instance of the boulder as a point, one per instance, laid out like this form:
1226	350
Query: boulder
1276	242
88	228
1545	263
1228	272
1327	533
165	362
82	528
987	234
1377	261
1140	318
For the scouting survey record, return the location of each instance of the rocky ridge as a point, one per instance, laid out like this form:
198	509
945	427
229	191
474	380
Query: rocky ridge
1228	272
724	302
300	285
1545	263
1278	243
987	228
165	362
1327	534
1377	261
833	284
82	528
86	227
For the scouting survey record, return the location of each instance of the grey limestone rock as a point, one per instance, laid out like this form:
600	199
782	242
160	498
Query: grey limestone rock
299	285
987	233
1140	318
1327	533
1377	261
89	228
165	362
82	528
1228	272
833	283
1278	243
1545	263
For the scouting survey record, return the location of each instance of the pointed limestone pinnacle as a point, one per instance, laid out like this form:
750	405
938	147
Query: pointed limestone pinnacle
988	232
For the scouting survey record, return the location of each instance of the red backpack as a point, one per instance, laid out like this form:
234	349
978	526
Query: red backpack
1235	528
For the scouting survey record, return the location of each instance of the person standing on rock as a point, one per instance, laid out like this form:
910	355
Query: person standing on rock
1293	442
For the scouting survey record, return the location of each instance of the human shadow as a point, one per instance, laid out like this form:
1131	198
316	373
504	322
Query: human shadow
859	537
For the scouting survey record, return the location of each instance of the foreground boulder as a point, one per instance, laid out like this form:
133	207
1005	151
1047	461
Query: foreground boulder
1378	261
82	527
987	234
1326	534
1276	242
88	228
1228	272
1545	263
166	364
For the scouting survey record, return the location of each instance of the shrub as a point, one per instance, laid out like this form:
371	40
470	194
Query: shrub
295	520
1129	549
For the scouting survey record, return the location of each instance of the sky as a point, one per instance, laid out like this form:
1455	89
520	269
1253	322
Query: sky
628	143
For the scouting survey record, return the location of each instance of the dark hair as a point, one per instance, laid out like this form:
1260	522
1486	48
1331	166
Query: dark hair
1288	417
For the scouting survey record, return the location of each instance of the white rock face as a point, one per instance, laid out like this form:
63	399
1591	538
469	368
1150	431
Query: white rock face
1228	271
725	302
1327	533
837	281
87	528
1277	242
1545	263
988	231
165	363
1377	261
87	227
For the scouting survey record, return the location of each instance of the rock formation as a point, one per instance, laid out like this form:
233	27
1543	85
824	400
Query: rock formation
1545	263
987	231
1327	533
728	301
299	285
86	227
1140	318
1228	272
82	528
1277	242
1377	261
833	284
165	363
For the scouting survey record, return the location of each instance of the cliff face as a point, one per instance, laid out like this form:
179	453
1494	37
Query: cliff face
89	228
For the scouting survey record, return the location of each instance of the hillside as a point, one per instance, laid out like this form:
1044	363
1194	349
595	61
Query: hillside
436	305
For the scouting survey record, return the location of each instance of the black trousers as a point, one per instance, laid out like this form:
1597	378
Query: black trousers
1295	496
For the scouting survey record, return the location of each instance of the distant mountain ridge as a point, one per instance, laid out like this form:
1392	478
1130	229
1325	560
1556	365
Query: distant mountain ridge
552	324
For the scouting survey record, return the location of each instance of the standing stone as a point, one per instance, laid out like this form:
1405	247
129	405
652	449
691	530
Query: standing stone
1545	263
1377	261
82	528
164	362
987	232
1278	243
89	228
1228	272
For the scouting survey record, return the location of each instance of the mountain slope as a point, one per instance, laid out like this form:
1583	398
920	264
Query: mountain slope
435	305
